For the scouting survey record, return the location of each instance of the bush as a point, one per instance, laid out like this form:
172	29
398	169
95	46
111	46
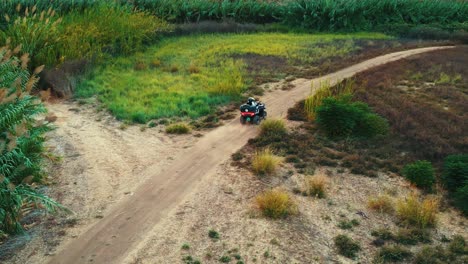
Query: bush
418	213
383	234
339	117
412	236
420	173
346	246
275	128
276	204
316	186
213	234
381	203
179	128
455	171
265	163
461	199
458	245
393	254
455	179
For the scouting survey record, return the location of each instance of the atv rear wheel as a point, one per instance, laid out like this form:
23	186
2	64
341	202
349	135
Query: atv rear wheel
242	120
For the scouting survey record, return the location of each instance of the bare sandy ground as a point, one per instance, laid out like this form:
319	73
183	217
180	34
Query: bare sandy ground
127	185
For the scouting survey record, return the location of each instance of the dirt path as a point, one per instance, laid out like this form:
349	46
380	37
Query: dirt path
110	239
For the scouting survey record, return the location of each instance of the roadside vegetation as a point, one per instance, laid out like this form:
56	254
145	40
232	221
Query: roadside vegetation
191	76
22	150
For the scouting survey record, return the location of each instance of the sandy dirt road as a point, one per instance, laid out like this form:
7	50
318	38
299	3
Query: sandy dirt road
113	237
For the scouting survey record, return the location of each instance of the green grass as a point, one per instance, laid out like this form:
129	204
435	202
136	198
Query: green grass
158	91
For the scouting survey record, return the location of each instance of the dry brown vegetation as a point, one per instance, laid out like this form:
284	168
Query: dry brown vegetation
381	203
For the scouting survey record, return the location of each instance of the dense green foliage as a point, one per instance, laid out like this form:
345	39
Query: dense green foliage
420	173
21	142
309	14
340	117
455	178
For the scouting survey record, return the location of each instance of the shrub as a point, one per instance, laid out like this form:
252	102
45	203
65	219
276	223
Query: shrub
265	163
420	173
383	234
455	171
346	246
461	199
179	128
276	203
458	245
455	178
339	117
418	213
381	203
393	254
213	234
273	128
431	255
412	236
344	224
316	185
225	259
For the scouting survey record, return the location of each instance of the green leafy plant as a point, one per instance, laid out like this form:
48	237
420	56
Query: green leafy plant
421	173
393	254
339	117
346	246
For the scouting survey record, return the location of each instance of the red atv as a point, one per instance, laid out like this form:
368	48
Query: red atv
252	112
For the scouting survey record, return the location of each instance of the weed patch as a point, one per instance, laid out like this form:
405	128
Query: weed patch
179	128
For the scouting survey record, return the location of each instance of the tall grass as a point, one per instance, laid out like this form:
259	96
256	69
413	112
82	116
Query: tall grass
265	162
323	91
83	34
420	213
324	15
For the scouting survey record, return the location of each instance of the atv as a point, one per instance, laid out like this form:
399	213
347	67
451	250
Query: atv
252	113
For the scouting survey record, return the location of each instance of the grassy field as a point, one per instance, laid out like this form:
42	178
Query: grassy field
189	76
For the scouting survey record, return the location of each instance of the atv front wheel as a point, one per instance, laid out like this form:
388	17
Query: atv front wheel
256	120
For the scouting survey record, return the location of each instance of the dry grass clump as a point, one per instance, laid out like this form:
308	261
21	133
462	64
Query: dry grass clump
265	162
417	212
273	127
193	69
155	63
316	185
276	203
179	128
381	203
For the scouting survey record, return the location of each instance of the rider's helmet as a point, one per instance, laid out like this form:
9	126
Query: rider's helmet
251	100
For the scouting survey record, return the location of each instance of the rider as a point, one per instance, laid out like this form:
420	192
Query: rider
251	101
